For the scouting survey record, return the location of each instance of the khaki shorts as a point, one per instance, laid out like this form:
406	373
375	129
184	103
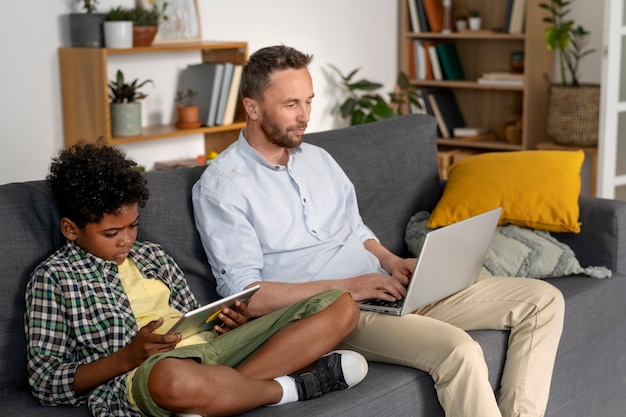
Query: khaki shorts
231	349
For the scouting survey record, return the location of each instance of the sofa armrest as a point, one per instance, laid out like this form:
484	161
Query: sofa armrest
602	239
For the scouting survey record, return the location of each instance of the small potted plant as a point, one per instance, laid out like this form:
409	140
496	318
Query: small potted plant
146	23
461	22
86	28
125	105
118	28
187	110
474	20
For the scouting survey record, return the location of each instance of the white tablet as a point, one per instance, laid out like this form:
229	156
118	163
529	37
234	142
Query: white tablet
205	317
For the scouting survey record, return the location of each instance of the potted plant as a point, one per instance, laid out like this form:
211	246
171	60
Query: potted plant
474	21
187	111
125	105
118	28
573	108
461	22
86	28
146	22
364	106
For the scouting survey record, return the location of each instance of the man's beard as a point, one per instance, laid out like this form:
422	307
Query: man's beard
281	138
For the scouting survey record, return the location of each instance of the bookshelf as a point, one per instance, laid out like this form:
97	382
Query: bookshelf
85	101
490	49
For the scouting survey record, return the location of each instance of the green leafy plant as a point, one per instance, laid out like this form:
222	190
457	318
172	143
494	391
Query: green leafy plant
364	105
89	5
118	14
566	38
148	17
186	98
122	92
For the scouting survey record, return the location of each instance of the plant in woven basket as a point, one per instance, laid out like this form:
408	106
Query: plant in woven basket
566	38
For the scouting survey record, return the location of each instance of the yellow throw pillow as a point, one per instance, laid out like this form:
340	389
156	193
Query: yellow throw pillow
536	189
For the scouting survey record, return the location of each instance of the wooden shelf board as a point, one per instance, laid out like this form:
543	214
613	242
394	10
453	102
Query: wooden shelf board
465	84
469	35
168	131
487	144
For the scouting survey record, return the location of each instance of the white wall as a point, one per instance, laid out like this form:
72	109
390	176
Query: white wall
347	33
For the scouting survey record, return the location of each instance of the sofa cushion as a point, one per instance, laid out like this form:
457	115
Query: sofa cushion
381	167
536	189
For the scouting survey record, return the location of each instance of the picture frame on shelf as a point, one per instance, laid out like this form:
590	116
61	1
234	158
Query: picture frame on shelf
182	23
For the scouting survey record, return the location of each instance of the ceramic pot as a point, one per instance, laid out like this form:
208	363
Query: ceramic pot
144	35
474	23
86	29
461	25
118	34
126	119
187	117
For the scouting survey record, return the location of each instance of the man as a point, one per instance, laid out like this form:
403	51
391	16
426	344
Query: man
274	211
97	311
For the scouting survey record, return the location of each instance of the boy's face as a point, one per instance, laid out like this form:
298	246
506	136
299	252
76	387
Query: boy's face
109	239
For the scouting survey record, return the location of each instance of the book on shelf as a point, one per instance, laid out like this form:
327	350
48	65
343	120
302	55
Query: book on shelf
224	90
425	93
469	131
419	60
233	96
507	15
502	78
446	110
434	12
216	84
518	13
205	80
434	61
413	15
421	16
449	60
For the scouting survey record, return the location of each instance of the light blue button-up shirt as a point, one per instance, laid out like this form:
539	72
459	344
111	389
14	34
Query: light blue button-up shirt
295	223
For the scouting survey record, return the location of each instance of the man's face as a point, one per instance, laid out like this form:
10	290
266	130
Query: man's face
286	106
112	237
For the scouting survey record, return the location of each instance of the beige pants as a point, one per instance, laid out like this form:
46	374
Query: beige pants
434	340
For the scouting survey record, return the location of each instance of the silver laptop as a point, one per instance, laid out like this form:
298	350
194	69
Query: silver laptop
450	261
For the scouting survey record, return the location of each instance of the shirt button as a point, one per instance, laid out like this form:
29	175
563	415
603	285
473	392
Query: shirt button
222	271
276	167
314	231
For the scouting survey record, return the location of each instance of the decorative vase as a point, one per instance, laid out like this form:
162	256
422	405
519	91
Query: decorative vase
118	34
144	35
126	119
461	25
474	23
187	117
573	114
86	29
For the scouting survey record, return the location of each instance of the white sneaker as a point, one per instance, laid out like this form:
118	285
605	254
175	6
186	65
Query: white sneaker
338	370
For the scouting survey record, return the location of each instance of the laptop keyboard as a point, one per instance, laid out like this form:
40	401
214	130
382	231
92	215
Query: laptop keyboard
385	303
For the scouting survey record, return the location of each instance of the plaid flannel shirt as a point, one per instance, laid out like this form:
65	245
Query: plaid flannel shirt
77	312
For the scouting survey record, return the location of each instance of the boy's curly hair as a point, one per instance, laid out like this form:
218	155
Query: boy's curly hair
91	180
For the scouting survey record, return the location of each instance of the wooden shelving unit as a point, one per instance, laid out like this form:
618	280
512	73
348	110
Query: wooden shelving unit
490	50
84	94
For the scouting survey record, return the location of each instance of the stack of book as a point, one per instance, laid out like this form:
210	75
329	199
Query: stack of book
426	15
217	85
435	61
502	78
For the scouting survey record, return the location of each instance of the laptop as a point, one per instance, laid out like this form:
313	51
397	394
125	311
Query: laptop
205	317
450	261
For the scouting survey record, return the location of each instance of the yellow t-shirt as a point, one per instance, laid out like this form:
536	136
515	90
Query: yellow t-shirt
150	300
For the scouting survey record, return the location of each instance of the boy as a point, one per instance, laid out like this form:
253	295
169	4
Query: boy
99	307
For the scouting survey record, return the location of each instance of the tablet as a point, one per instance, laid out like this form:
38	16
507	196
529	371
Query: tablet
205	317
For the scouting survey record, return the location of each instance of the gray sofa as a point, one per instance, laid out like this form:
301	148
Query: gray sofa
394	167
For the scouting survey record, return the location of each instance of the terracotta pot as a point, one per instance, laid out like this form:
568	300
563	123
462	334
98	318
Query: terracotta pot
144	35
187	117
